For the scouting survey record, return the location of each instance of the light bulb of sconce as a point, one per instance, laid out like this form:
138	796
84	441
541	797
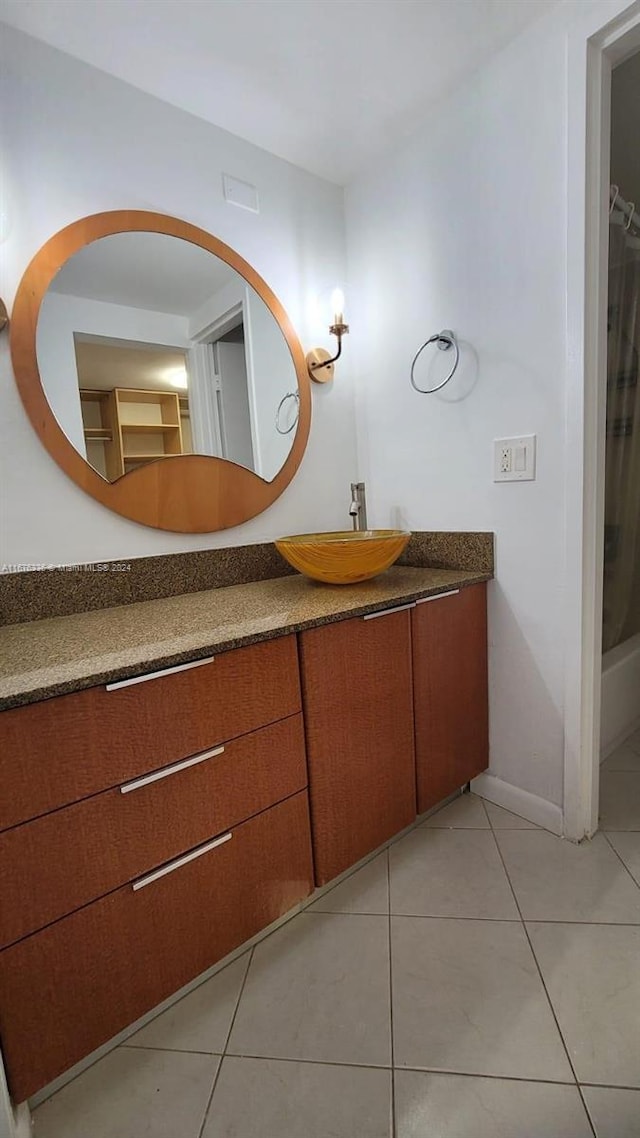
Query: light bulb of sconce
337	304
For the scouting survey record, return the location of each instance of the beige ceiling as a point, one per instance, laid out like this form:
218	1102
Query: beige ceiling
326	84
103	365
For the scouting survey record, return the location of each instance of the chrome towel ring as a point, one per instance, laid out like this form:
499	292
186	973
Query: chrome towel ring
290	395
444	340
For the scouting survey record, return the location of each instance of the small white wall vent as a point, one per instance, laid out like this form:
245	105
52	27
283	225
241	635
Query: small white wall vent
240	193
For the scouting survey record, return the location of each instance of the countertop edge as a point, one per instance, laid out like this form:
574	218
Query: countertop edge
90	679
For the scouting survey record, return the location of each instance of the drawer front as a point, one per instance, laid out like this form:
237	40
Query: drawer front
63	860
71	987
64	749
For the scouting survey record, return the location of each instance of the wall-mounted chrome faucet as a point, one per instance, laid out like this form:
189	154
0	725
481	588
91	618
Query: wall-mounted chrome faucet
358	507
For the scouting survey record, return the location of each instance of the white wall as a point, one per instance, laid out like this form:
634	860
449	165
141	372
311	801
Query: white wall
464	227
75	142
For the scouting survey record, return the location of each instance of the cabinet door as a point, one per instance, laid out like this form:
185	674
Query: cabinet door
450	692
356	681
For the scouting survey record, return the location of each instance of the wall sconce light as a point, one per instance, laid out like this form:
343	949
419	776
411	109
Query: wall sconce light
319	362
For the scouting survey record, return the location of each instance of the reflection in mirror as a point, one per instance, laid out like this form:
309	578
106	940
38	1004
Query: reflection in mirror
150	347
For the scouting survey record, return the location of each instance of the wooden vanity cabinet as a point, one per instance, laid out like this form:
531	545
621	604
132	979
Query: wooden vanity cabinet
150	827
358	709
450	692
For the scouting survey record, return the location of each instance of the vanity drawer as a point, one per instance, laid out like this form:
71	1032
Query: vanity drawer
71	987
58	862
64	749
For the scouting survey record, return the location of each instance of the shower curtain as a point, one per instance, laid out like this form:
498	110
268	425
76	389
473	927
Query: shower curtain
621	613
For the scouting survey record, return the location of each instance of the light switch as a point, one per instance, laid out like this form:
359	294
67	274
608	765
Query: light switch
514	460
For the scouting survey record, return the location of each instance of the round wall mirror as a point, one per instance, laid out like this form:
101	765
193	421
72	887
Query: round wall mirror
160	371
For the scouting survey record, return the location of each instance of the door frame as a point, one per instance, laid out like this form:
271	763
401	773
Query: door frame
593	48
209	334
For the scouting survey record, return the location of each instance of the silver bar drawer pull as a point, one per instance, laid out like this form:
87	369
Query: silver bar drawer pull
180	861
173	769
438	596
387	612
155	675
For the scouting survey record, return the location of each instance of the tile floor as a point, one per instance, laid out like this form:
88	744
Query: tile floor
480	979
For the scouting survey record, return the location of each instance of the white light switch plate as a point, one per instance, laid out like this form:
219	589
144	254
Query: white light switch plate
514	460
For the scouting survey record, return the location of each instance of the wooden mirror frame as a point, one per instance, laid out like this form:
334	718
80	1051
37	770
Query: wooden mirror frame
186	493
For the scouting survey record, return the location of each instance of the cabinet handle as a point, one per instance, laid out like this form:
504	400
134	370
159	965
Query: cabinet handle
437	596
155	675
387	612
173	769
179	861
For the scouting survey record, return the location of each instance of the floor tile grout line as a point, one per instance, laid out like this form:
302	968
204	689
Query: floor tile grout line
206	1109
226	1043
620	859
483	1075
393	1086
546	992
426	826
526	932
612	1086
238	1001
418	1070
312	1062
381	1067
457	917
417	916
168	1050
486	814
504	867
590	1117
200	984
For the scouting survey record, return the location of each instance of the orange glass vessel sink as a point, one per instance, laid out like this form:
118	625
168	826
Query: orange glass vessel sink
343	557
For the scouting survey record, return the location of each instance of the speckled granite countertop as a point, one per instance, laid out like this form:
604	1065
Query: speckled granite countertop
63	654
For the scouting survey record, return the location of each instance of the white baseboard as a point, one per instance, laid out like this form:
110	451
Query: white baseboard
620	686
619	739
518	801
